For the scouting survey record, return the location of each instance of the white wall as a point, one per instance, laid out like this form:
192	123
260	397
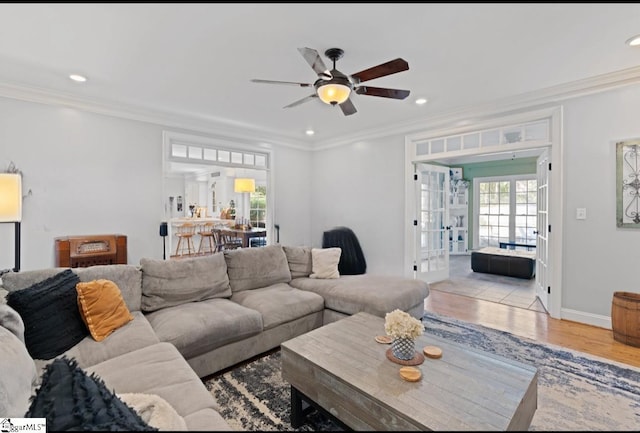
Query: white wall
599	258
96	174
293	195
361	186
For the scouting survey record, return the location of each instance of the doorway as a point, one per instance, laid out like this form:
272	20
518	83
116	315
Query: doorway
510	137
220	182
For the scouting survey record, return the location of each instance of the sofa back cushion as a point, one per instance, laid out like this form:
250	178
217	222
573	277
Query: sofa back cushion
166	283
127	277
252	268
299	259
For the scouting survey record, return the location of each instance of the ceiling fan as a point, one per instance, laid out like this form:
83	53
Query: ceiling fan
334	88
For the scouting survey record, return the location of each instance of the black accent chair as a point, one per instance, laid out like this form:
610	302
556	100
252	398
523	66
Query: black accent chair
352	260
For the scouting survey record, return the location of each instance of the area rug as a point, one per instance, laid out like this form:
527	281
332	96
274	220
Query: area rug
576	391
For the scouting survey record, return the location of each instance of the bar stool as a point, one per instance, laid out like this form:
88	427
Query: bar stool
207	238
185	231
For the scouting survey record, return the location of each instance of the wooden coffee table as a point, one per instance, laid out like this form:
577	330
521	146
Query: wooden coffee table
341	369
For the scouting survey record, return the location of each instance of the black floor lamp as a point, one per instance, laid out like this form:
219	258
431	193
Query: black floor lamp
11	207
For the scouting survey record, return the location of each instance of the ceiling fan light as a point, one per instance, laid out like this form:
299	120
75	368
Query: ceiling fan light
333	93
634	41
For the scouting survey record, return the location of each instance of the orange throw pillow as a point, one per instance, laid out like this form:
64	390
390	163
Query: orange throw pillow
102	308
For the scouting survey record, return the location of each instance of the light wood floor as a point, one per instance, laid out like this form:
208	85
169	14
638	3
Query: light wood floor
533	324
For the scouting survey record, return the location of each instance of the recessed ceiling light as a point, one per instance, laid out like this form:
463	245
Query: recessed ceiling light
634	41
78	78
421	101
310	132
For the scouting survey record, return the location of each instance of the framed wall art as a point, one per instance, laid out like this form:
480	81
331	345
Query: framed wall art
628	184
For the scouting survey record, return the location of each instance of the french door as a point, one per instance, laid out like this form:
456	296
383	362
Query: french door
542	230
432	232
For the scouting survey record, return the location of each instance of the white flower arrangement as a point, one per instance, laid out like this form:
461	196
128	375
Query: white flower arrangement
399	324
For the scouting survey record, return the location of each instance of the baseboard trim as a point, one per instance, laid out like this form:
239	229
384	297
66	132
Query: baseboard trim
588	318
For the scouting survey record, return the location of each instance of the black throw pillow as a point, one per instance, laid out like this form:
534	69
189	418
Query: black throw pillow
71	400
49	310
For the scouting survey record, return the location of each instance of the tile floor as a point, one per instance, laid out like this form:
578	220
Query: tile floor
516	292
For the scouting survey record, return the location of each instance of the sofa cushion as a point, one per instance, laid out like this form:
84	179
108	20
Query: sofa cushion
134	335
376	295
101	307
279	303
198	327
17	369
324	262
128	278
166	283
161	370
50	313
251	268
299	259
70	399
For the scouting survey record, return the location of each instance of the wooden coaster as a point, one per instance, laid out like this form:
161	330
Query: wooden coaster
383	339
410	374
417	359
432	352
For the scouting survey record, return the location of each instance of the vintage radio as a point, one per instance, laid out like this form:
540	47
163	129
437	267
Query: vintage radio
91	250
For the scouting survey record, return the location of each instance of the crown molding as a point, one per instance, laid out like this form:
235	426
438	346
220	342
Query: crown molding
262	137
549	95
201	124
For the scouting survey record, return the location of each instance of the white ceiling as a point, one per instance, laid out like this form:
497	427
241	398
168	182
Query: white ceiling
197	60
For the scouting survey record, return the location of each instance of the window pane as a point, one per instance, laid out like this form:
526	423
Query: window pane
261	161
236	157
437	146
179	150
454	143
223	156
210	154
195	152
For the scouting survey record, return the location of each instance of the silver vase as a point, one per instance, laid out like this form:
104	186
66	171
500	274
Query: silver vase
403	348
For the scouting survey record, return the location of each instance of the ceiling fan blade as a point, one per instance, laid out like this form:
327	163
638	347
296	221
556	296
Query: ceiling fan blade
348	108
301	101
315	61
291	83
391	67
381	91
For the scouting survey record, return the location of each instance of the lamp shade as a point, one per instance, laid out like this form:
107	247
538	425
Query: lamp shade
244	185
10	197
334	93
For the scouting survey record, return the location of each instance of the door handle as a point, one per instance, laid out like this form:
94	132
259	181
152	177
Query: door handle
535	232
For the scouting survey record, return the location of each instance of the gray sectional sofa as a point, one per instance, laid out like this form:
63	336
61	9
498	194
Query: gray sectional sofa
194	317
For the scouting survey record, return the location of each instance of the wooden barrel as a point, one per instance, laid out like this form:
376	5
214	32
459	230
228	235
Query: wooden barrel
625	318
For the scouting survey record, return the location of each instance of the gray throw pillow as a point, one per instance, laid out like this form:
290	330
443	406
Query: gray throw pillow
166	283
299	259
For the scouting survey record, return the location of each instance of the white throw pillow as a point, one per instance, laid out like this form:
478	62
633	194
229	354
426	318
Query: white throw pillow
155	411
324	262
